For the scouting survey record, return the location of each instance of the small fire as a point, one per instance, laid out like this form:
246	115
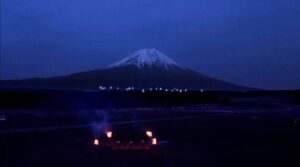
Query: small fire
96	142
109	134
154	141
149	133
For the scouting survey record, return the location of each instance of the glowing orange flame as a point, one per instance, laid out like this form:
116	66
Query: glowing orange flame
96	142
154	141
109	134
149	133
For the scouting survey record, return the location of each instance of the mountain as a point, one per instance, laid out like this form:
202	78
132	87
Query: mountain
146	58
144	69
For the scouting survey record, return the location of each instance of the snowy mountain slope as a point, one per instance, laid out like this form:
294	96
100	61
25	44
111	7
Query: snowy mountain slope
144	69
147	58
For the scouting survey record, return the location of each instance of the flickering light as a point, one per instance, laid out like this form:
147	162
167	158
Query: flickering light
96	142
154	141
109	134
149	133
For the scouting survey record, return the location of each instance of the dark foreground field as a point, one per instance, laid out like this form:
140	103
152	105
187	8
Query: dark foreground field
203	135
211	139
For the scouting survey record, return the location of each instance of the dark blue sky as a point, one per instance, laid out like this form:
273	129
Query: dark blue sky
248	42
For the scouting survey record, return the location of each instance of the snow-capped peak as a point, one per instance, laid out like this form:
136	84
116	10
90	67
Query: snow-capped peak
146	57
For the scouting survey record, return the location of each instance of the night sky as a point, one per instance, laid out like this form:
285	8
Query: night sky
248	42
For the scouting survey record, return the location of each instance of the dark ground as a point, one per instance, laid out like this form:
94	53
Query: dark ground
219	135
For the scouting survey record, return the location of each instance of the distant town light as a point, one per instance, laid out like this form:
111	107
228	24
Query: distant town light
102	88
143	90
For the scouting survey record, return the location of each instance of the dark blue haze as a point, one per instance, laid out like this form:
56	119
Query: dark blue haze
249	42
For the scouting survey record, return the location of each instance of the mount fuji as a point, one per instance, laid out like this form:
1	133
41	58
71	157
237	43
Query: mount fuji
145	68
147	58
